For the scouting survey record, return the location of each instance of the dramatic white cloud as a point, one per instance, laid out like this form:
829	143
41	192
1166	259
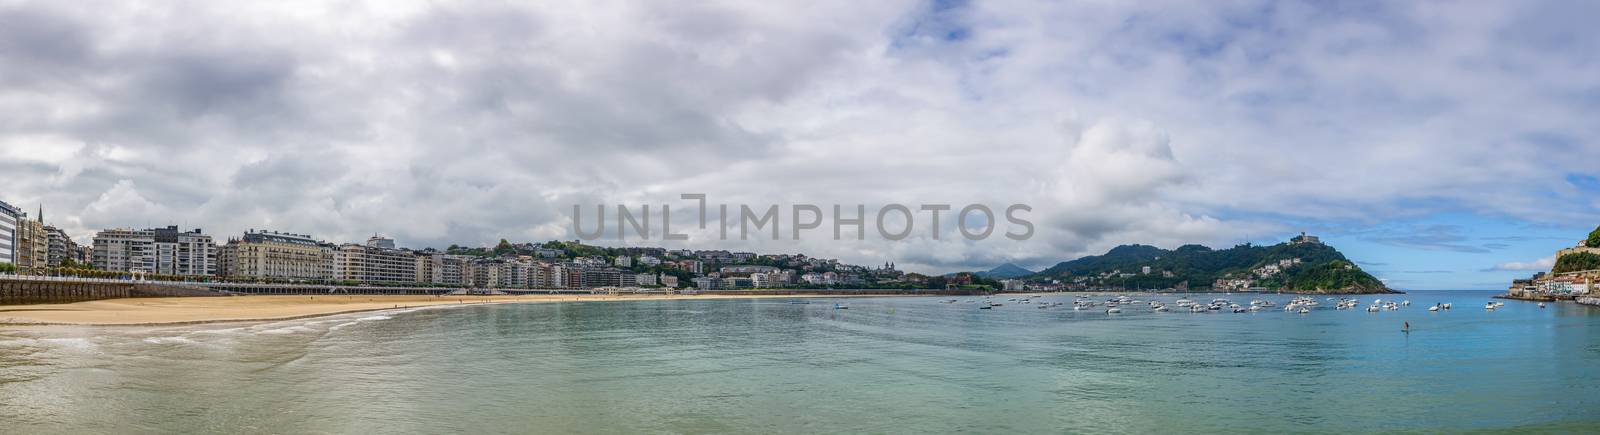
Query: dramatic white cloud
1540	265
1120	122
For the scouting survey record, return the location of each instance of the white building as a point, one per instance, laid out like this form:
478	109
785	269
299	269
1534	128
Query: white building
1014	285
9	216
623	261
760	280
184	252
124	250
645	279
647	260
375	263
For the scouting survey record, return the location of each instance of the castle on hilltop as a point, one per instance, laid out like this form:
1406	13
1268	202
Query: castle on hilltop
1303	238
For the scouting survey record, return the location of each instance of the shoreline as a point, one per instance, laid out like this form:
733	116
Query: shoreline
177	311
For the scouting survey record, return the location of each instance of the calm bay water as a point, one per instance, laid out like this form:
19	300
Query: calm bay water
885	365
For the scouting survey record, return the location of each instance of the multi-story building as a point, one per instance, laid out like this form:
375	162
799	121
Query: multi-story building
515	273
427	271
275	255
60	247
439	268
32	246
9	216
542	275
645	279
706	283
572	276
780	278
84	254
557	277
380	242
740	270
714	256
184	252
486	274
623	261
603	277
668	280
375	262
125	250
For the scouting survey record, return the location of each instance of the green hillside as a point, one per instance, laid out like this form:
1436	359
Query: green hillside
1321	268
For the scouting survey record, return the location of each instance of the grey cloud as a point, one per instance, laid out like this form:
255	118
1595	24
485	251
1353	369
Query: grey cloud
1142	122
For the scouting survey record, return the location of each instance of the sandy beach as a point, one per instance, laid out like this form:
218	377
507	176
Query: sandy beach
162	311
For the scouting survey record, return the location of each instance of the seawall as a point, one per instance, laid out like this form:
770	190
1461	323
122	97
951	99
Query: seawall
24	290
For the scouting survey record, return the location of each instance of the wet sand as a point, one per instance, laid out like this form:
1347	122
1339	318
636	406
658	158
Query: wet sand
167	311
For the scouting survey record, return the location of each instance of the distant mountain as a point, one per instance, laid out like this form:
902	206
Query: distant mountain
1005	271
1320	269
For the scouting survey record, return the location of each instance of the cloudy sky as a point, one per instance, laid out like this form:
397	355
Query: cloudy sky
1442	145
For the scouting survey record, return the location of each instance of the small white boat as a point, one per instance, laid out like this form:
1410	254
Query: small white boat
1541	305
1305	311
1113	310
1489	306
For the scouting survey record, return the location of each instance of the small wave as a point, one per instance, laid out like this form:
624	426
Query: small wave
169	340
219	331
76	343
363	319
288	330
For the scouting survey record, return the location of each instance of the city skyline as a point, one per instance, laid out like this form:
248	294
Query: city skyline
1438	146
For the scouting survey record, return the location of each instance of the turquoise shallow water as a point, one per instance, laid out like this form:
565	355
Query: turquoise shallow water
885	365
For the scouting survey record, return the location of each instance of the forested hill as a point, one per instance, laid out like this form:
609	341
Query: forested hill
1320	268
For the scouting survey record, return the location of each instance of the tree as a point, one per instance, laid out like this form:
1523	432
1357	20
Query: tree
1594	239
504	248
8	268
1576	262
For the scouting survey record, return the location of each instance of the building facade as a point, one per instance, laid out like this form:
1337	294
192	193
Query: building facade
375	262
275	255
9	216
32	246
60	247
190	253
125	250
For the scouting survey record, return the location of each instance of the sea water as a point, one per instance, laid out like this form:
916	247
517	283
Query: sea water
884	365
